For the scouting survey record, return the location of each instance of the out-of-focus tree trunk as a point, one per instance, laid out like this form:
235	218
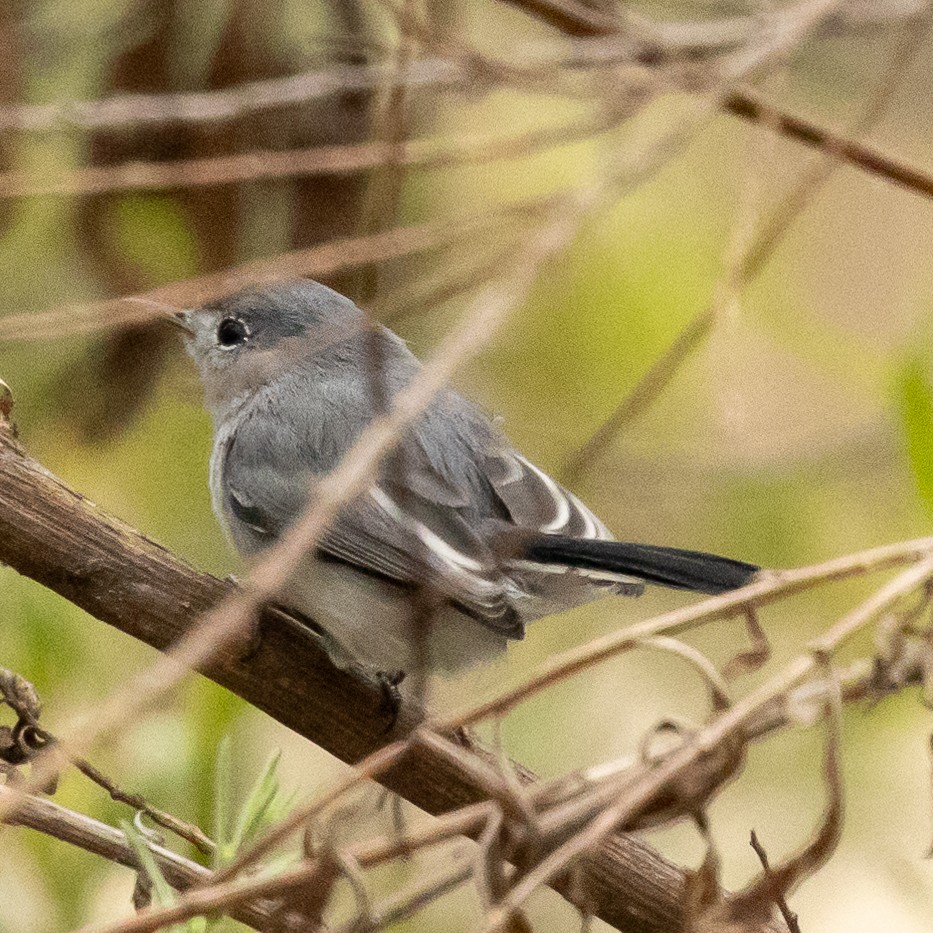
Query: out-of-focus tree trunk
226	223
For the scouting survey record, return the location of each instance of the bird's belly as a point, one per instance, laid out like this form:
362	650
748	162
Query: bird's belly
377	624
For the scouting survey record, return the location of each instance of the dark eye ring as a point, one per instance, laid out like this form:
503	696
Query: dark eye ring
231	332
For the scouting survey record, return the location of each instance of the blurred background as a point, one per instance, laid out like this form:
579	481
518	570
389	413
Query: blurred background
793	432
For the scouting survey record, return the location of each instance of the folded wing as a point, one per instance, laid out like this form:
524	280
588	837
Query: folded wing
392	531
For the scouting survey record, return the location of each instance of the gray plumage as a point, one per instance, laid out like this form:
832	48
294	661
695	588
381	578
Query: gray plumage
287	377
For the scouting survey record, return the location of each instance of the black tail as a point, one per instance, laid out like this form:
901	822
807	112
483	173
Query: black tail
664	566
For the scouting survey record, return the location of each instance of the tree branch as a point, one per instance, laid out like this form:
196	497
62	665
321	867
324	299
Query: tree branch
93	836
580	22
51	533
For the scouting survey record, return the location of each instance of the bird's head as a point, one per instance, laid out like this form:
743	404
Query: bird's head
245	340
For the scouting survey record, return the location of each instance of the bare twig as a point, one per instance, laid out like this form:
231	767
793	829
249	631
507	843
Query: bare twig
708	36
28	737
757	252
651	385
240	890
371	853
383	190
789	916
100	839
319	261
344	159
782	217
225	104
776	882
189	831
646	789
752	658
139	110
699	38
406	903
752	106
772	586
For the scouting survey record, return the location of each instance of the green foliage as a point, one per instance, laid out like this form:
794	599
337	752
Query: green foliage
151	233
223	801
234	827
915	395
162	893
263	807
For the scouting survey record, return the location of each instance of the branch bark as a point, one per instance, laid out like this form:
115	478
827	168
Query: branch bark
54	535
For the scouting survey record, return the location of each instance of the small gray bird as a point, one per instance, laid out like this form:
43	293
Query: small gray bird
456	510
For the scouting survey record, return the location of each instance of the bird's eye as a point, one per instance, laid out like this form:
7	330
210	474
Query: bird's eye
231	332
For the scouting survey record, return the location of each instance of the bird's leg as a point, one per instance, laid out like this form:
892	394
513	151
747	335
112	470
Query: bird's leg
391	695
251	642
465	737
339	656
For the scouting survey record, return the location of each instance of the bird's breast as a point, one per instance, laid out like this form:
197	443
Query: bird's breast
223	438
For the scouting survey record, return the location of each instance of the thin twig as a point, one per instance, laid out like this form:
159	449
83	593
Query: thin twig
790	918
646	789
89	834
750	105
188	831
384	187
651	385
772	586
320	261
223	894
783	216
697	38
263	165
756	255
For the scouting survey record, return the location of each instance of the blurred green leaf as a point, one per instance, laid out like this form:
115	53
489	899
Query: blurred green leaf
151	232
264	806
162	893
916	403
223	797
258	811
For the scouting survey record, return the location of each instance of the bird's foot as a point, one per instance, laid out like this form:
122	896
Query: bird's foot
251	642
248	643
465	737
391	695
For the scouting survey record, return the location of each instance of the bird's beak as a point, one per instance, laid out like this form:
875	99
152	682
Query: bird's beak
181	320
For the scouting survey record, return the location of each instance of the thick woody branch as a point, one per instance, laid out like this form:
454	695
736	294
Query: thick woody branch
54	535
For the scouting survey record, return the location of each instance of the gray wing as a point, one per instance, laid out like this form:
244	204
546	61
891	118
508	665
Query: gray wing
537	502
397	530
455	484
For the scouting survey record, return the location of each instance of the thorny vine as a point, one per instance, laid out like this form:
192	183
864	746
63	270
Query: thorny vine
527	834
